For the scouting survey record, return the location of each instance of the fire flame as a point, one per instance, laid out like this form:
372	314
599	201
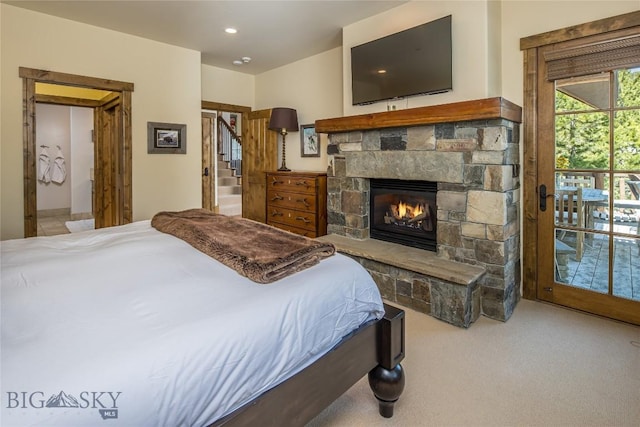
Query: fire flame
408	211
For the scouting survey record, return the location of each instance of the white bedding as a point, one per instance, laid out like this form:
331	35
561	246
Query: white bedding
182	338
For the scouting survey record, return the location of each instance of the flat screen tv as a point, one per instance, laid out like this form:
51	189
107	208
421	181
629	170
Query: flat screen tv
416	61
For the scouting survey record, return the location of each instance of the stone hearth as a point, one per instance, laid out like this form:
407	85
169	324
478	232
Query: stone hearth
471	150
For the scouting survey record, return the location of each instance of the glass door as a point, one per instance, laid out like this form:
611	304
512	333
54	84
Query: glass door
592	147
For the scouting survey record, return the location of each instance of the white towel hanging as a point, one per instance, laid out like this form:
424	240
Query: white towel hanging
44	166
59	173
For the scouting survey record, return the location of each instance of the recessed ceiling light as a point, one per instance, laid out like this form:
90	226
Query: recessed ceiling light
230	30
237	62
246	59
382	71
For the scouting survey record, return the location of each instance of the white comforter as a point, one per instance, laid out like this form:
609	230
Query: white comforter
130	326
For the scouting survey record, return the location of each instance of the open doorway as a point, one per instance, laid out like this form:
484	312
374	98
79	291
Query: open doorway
65	168
223	131
112	195
259	155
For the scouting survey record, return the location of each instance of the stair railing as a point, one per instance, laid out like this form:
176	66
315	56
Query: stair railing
229	146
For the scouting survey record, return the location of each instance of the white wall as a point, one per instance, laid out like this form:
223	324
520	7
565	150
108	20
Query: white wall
528	18
81	159
313	87
53	129
167	88
227	86
494	48
470	57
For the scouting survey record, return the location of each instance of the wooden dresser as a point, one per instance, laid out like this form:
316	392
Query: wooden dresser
297	202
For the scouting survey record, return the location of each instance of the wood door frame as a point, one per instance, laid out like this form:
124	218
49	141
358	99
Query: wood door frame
229	108
208	181
531	47
30	77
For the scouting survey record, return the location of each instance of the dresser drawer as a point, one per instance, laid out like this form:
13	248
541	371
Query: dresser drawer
292	183
300	201
304	220
296	230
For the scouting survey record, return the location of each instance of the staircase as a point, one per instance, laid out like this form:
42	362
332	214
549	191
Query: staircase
229	189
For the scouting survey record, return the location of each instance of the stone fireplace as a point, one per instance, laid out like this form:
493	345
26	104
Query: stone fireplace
470	152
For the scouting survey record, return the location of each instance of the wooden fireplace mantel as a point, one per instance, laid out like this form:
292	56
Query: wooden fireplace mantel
481	109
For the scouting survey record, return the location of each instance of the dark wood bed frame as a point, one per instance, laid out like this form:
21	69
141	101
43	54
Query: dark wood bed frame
376	348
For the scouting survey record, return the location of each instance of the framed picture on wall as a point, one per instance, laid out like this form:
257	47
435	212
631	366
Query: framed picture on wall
166	138
309	141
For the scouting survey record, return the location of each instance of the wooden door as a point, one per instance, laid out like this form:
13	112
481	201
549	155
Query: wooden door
208	162
109	164
587	254
259	155
113	161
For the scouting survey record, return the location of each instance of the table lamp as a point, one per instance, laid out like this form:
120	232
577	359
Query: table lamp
283	120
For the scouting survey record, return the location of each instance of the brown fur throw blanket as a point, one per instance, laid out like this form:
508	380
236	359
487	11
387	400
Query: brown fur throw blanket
258	251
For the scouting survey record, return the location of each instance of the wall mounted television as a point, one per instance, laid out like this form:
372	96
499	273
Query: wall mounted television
416	61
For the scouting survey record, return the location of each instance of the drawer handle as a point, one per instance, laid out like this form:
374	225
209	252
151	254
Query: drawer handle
304	202
277	197
302	182
276	213
303	219
275	181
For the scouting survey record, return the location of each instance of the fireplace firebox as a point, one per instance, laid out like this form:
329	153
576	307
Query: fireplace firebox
404	212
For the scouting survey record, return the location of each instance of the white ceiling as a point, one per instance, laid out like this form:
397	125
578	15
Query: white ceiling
271	33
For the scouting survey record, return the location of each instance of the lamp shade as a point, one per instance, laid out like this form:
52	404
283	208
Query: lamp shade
284	118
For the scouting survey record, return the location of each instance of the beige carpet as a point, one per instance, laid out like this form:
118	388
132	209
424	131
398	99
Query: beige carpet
546	366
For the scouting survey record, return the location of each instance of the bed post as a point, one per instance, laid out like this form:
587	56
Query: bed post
387	379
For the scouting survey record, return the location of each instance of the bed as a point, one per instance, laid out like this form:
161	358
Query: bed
133	325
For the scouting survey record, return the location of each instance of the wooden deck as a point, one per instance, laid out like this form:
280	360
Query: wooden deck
592	271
